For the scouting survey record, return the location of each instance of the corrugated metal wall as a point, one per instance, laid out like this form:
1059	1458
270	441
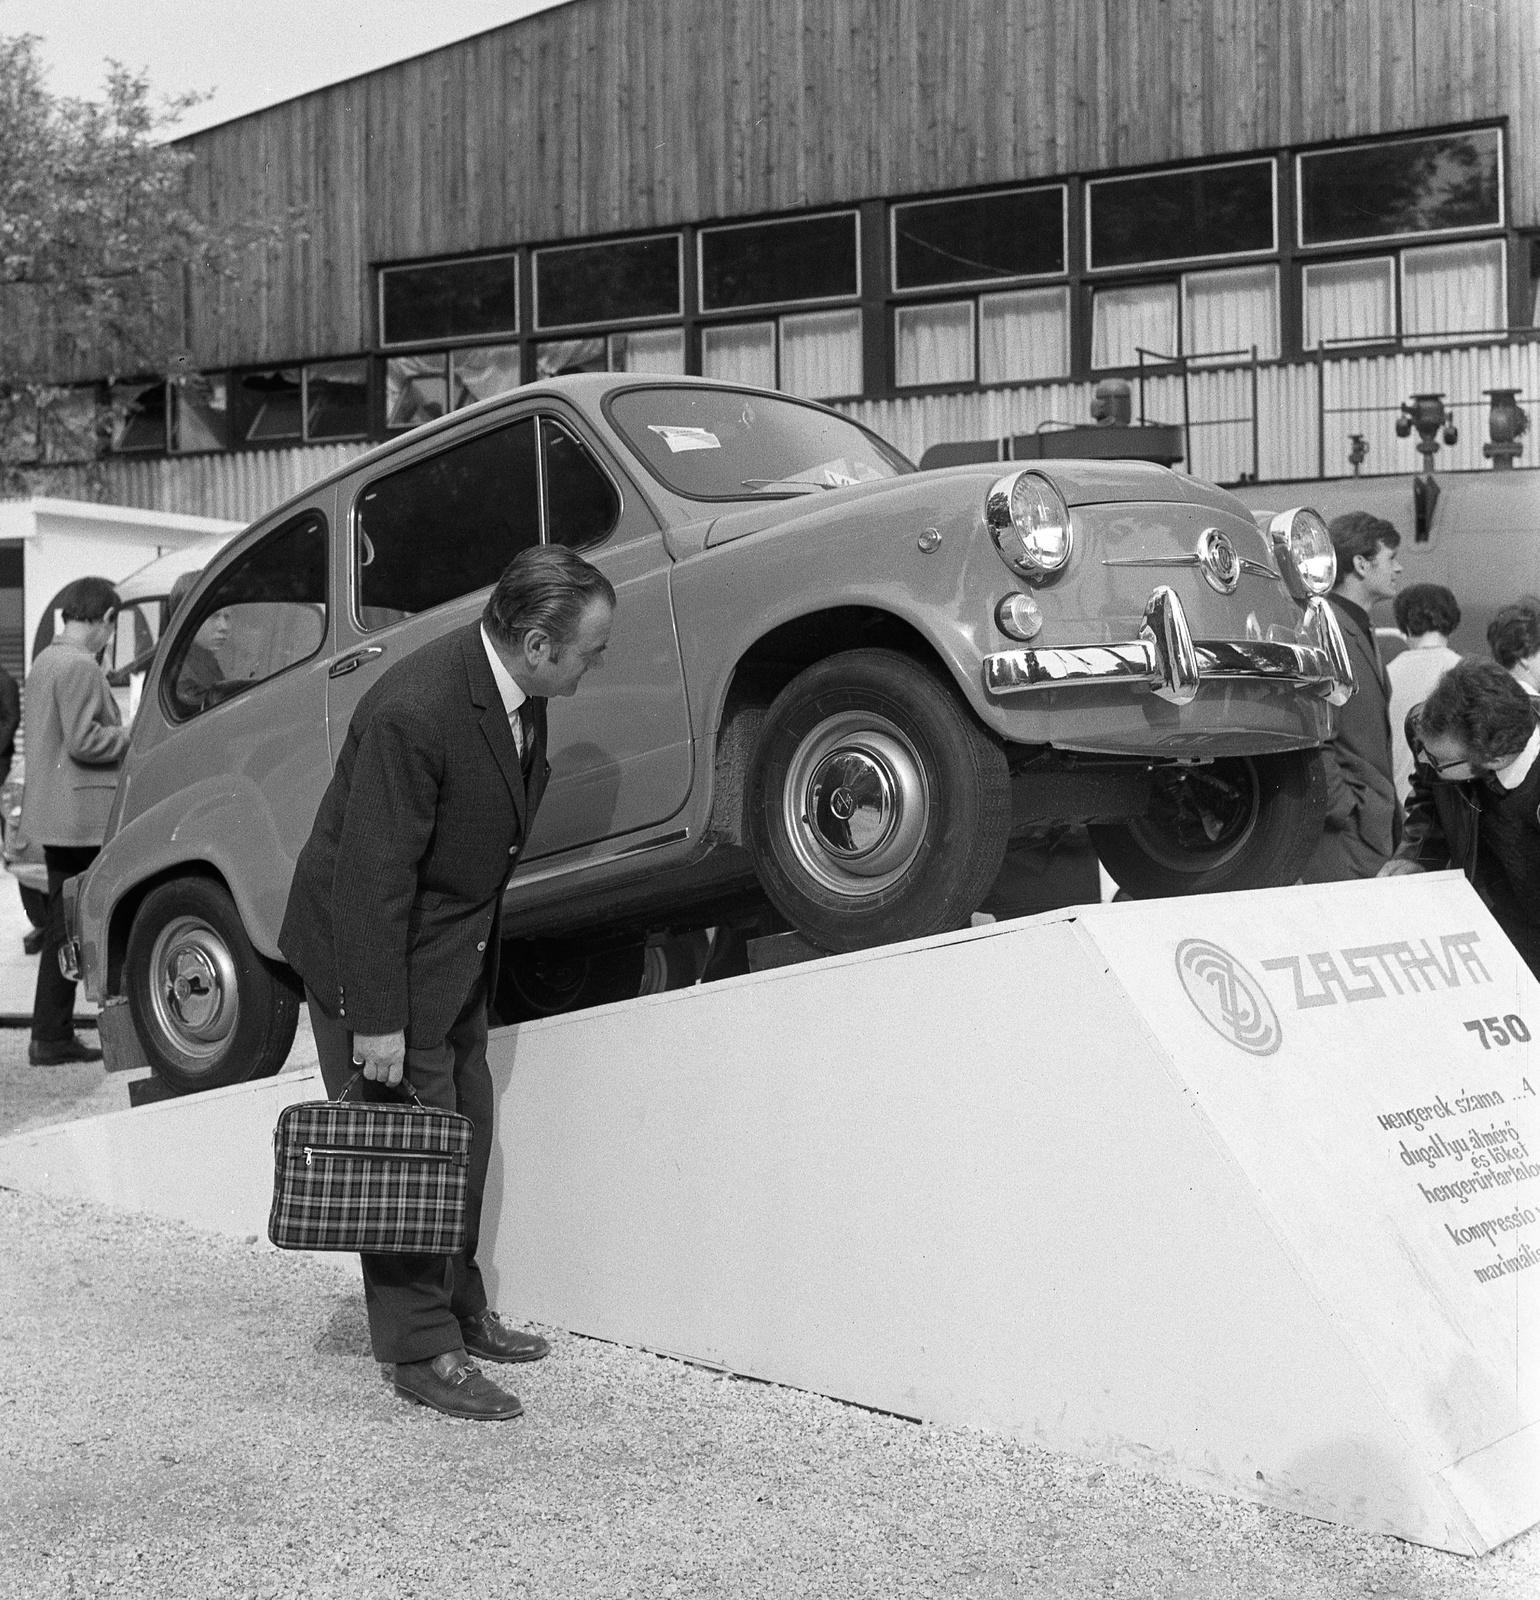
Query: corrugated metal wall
1363	395
241	486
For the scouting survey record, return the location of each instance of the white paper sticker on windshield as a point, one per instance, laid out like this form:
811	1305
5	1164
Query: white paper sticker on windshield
678	439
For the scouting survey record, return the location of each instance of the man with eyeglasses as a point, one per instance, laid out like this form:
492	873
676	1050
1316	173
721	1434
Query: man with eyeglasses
1476	795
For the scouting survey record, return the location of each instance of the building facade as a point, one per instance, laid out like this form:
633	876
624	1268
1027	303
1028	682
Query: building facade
949	218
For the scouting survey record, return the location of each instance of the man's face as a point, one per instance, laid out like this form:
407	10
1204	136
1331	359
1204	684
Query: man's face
554	669
1449	757
1527	670
1382	575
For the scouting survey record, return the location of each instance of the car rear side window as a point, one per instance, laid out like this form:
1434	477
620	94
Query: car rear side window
263	615
581	503
445	525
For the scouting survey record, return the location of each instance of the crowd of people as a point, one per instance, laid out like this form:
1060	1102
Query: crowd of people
1436	759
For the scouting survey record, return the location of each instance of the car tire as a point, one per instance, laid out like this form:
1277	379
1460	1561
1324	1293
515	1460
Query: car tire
1243	822
35	903
539	979
208	1009
928	791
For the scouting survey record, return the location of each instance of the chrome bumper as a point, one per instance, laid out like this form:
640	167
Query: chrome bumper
1166	659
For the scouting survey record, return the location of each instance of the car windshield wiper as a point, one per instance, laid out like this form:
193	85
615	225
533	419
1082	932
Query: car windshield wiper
784	485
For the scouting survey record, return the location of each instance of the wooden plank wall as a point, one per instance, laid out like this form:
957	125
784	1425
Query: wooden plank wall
610	115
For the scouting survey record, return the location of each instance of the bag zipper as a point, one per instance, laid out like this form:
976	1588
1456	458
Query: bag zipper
365	1154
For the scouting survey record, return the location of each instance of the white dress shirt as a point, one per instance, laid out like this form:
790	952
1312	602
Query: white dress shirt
512	695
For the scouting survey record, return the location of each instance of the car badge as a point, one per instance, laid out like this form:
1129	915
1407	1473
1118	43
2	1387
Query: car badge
1216	556
930	540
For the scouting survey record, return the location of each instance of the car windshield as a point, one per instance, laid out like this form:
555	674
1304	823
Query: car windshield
725	444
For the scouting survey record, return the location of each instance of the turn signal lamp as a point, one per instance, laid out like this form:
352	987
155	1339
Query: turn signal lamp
1019	616
1029	523
1303	549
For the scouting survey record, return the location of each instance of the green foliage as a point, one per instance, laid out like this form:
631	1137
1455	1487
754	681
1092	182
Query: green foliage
97	241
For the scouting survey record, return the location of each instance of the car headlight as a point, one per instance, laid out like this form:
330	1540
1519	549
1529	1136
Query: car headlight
1303	549
1029	523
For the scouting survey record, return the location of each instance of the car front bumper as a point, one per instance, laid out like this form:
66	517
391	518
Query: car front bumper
1166	659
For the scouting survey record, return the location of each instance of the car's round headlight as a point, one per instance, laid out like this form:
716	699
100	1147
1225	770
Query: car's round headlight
1304	550
1029	523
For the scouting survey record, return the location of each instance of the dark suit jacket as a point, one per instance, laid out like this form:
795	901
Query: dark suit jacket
1363	812
395	909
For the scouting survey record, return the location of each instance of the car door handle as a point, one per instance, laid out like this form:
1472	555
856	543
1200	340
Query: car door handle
343	665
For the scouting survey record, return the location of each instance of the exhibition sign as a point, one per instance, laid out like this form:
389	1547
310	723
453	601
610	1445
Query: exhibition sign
1367	1060
1240	1188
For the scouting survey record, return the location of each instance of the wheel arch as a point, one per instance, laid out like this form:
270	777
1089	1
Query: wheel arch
768	665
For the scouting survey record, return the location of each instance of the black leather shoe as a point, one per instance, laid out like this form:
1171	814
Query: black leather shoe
55	1052
454	1384
487	1336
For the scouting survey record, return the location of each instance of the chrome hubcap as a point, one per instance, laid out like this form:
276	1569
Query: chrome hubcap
194	996
856	803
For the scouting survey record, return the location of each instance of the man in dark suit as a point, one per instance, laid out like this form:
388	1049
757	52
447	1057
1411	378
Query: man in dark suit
394	915
1363	811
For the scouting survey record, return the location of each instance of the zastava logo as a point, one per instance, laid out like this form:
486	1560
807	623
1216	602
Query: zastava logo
1230	999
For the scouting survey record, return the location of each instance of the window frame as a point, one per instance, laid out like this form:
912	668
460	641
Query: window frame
934	289
532	410
187	627
500	337
730	314
940	385
1470	230
614	324
1391	258
304	401
1089	186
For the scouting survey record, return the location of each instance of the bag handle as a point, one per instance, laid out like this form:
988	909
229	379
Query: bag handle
405	1084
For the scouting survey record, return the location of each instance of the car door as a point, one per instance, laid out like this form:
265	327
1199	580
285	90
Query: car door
425	540
620	748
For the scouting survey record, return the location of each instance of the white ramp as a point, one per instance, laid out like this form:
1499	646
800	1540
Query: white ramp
1242	1189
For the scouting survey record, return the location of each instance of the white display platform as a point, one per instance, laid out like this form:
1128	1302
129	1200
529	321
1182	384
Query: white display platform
1228	1187
18	970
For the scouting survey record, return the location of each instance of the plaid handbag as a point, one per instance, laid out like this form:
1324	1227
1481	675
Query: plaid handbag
361	1175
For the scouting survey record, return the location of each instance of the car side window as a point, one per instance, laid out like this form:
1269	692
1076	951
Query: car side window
263	615
581	504
445	525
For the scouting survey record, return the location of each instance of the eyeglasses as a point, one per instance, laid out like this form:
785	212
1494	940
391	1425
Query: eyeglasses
1478	769
1441	767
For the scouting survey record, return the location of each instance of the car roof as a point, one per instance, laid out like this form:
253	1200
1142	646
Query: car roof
154	578
591	388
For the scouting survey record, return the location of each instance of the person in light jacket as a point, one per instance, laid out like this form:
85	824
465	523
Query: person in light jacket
74	740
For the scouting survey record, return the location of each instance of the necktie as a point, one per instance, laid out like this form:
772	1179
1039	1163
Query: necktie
523	733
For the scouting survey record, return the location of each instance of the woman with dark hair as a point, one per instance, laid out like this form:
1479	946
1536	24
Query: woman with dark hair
1513	636
1427	614
1475	791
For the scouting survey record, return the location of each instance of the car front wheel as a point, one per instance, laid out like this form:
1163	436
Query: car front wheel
1245	822
208	1009
879	808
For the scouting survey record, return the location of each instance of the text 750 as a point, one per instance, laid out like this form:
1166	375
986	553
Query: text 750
1498	1030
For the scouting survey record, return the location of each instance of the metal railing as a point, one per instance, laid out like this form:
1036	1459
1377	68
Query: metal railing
1331	350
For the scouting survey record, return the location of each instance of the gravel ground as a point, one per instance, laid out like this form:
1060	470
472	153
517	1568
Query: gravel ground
185	1415
36	1097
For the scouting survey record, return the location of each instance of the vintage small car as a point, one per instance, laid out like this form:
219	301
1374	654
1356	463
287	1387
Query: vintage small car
836	690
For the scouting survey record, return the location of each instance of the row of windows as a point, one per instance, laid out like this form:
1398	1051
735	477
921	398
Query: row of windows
1014	336
1430	184
982	291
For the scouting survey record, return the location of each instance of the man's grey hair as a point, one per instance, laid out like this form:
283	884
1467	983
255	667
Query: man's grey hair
548	588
